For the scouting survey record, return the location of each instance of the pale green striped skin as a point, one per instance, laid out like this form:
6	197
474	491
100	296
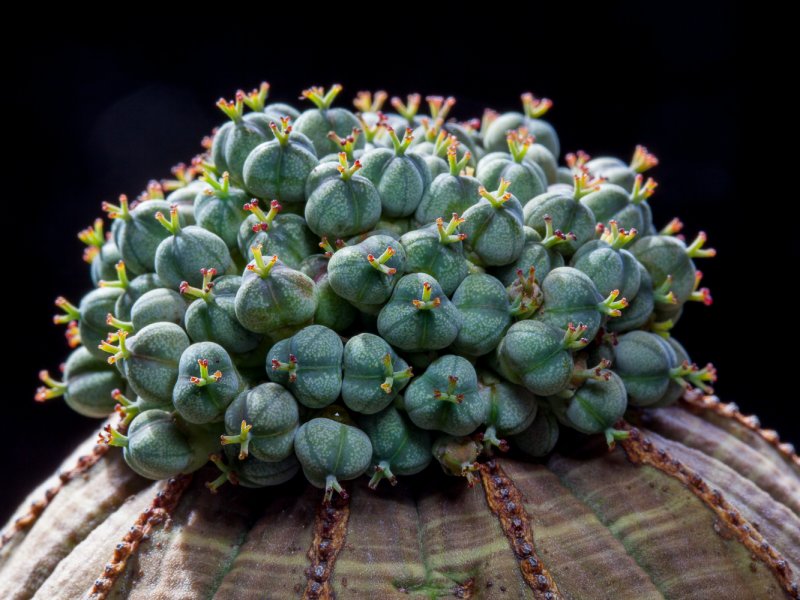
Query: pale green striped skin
94	308
527	178
89	384
569	215
161	305
483	303
644	536
274	416
283	299
318	372
663	256
152	367
276	171
571	297
315	124
180	257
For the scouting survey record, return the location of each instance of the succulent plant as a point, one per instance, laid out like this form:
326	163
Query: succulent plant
538	321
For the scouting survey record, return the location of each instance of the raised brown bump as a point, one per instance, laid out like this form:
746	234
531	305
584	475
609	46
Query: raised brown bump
154	515
26	521
697	403
506	502
641	451
330	530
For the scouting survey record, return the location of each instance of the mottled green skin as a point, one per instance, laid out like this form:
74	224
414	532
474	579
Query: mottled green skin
274	171
288	238
364	373
319	365
527	178
510	409
103	264
638	312
353	278
157	448
254	473
397	442
482	301
398	227
205	404
234	142
643	361
608	268
90	382
273	413
214	319
276	110
425	253
94	308
181	256
428	412
157	306
137	287
250	364
333	311
614	202
467	141
540	155
675	389
569	216
540	437
613	171
532	354
327	448
152	367
664	255
533	254
221	213
447	194
495	235
284	298
139	236
595	407
316	123
571	297
186	195
409	328
436	166
494	140
338	207
401	180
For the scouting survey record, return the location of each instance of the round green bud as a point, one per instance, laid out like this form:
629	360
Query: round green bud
483	303
330	451
373	374
262	421
274	297
445	397
309	364
367	272
398	446
419	316
207	383
279	168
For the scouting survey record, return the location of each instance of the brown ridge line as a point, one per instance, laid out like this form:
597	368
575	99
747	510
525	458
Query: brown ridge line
506	502
731	410
154	515
26	521
641	451
330	530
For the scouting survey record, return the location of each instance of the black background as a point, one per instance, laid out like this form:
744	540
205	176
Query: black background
97	112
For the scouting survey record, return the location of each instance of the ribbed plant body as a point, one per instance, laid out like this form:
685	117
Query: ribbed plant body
351	297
